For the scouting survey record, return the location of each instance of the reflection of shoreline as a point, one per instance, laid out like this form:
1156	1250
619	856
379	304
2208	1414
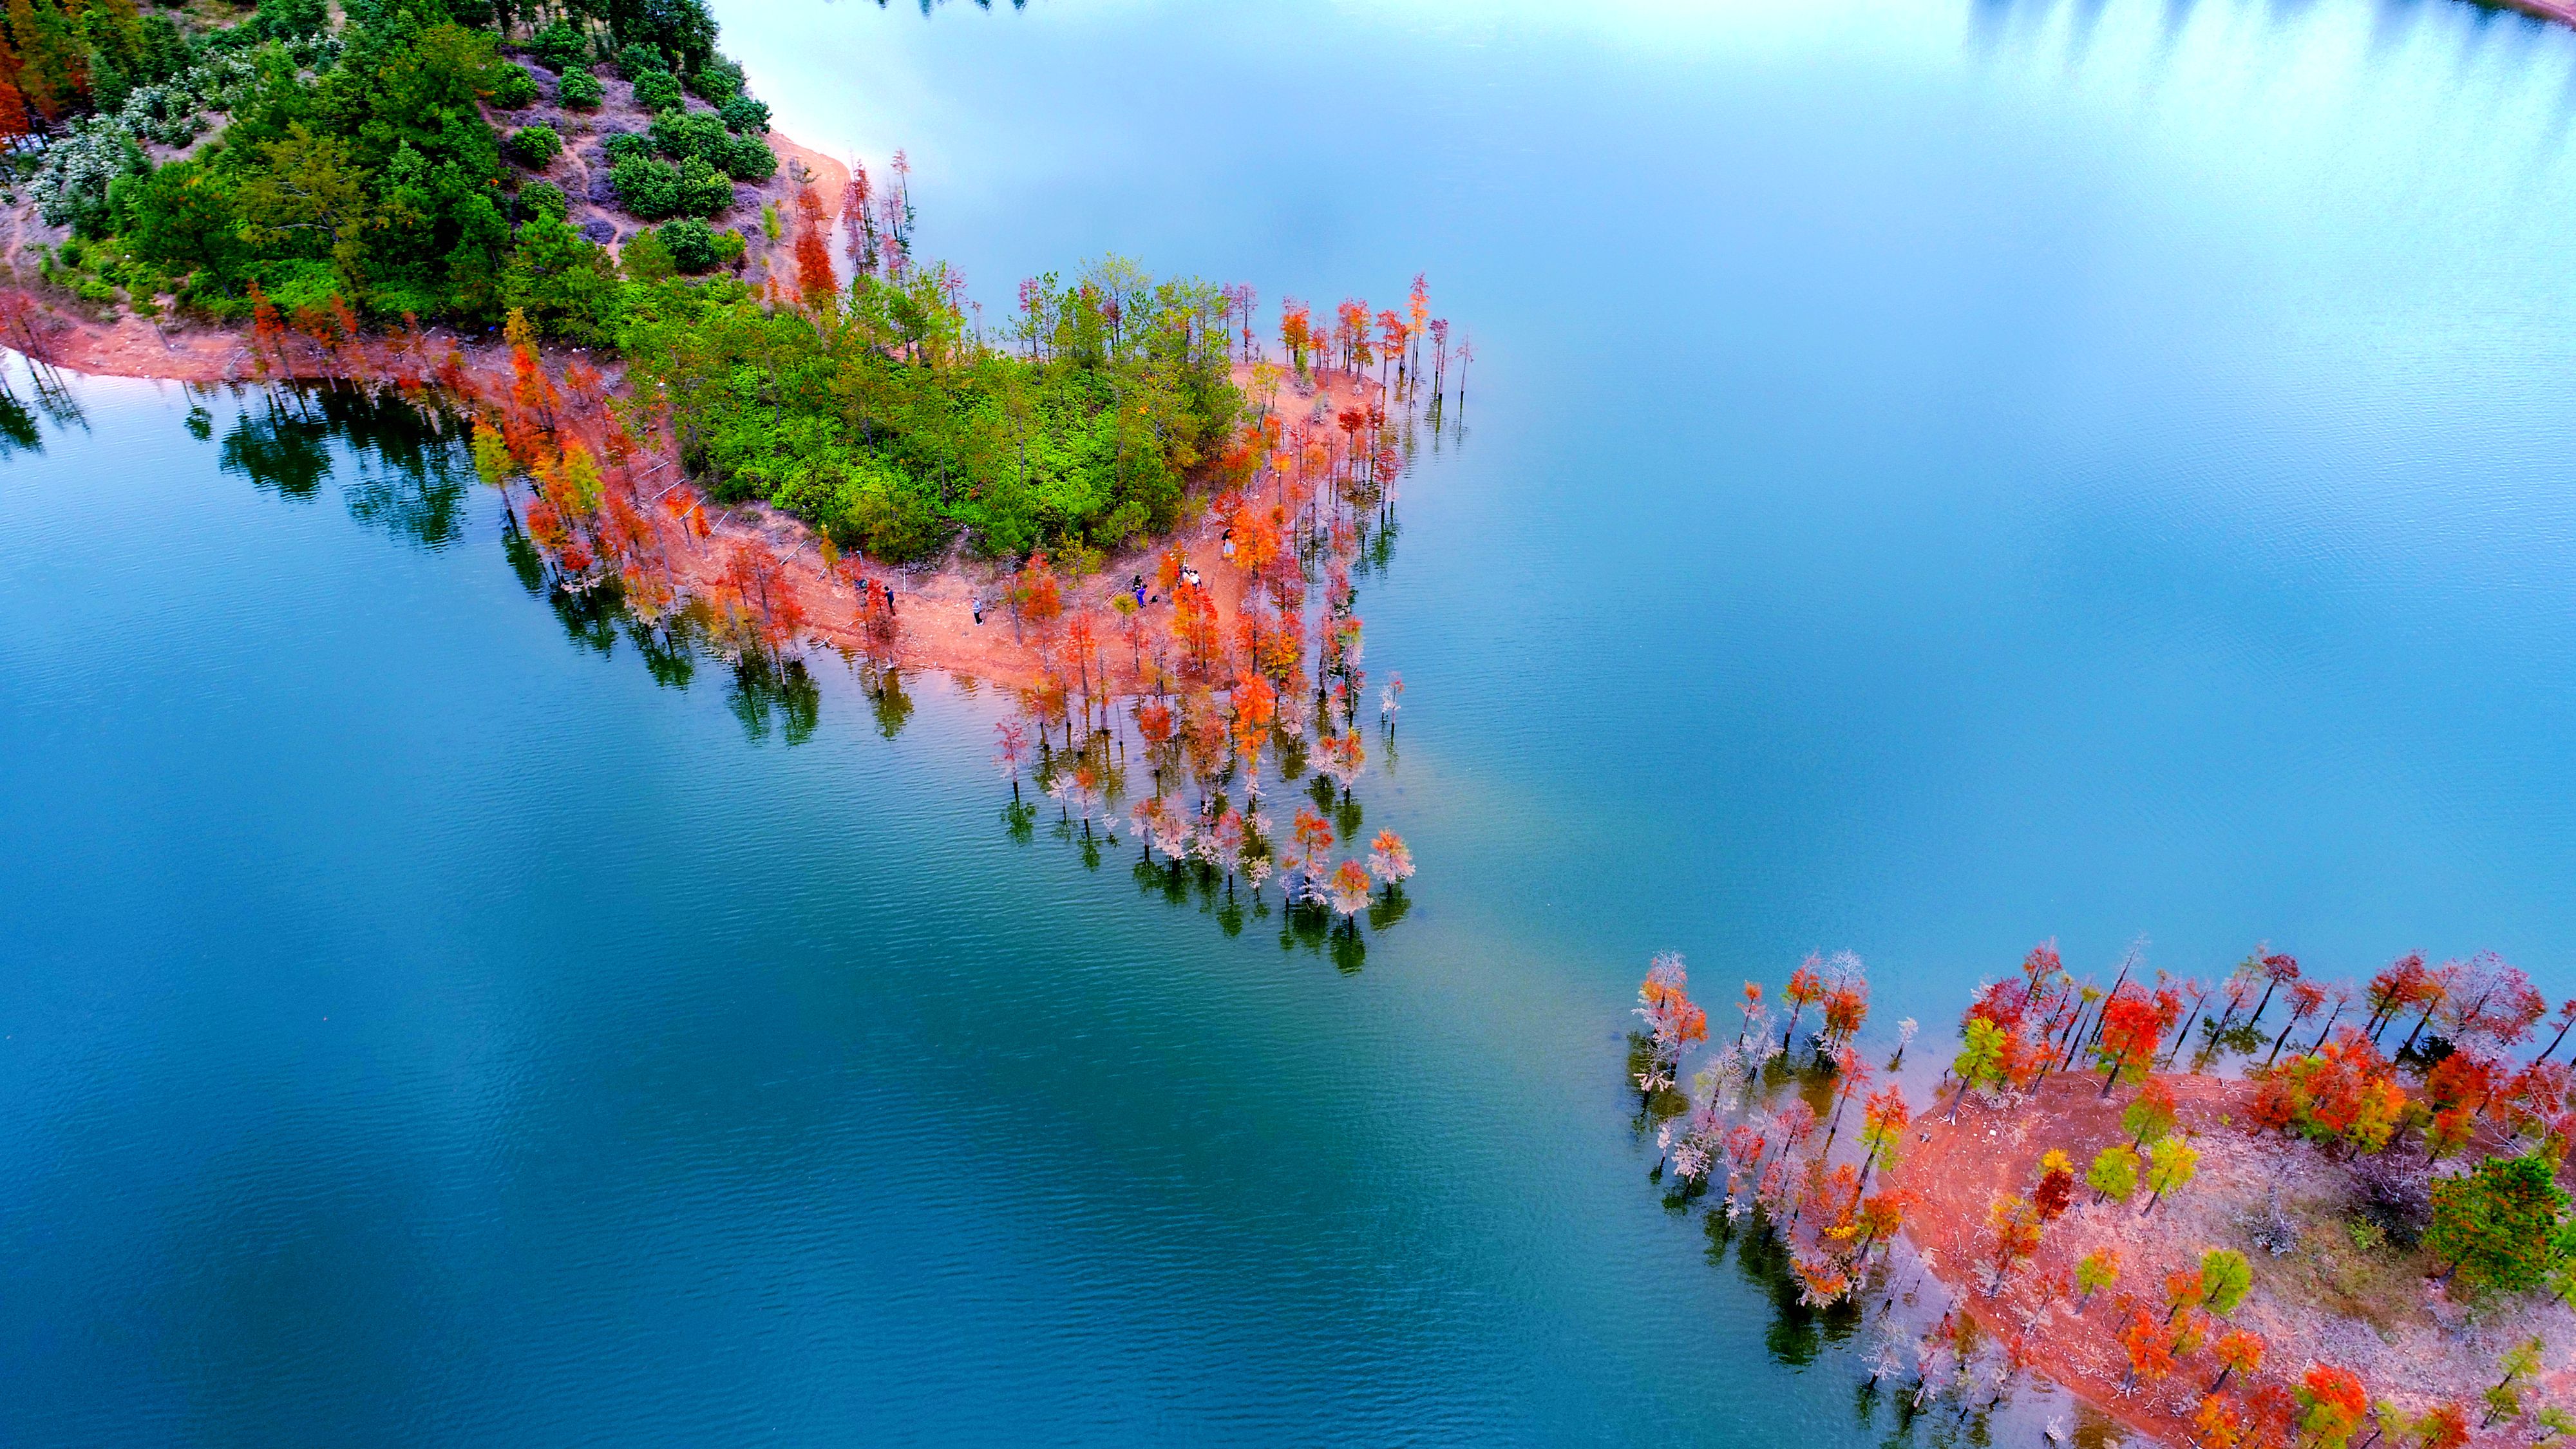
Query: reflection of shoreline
1110	774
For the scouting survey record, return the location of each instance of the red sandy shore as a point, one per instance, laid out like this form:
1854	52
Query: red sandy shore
2421	1351
934	612
1957	1170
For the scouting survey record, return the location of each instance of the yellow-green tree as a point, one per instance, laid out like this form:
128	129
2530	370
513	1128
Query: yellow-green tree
2170	1168
2114	1173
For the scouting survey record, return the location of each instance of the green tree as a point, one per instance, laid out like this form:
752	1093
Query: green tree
646	259
2225	1277
308	194
565	284
1981	1056
2170	1168
2504	1399
2150	1116
182	219
2498	1226
2114	1173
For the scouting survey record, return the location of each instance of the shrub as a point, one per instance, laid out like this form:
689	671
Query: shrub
742	113
623	148
748	158
645	258
692	245
393	299
635	61
2395	1192
683	134
704	191
71	182
580	90
647	186
560	46
717	81
512	87
657	90
535	147
298	286
543	198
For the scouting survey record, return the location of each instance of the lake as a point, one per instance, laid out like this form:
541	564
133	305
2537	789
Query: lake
1934	477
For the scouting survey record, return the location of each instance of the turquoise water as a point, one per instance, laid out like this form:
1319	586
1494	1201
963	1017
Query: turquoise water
1934	477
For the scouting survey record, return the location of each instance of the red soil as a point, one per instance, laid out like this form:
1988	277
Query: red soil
2403	1336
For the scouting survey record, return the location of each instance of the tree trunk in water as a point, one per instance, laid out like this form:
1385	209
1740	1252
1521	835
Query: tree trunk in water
2555	1040
2276	1041
2261	1006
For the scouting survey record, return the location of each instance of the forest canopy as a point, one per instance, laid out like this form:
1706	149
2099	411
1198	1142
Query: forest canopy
358	176
355	167
877	414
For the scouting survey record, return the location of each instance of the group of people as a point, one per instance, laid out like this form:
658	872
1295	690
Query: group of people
1135	584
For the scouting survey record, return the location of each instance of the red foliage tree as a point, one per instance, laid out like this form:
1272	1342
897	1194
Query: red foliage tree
2394	990
814	277
2132	1030
2332	1402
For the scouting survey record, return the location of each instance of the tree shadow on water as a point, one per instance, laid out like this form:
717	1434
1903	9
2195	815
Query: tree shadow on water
279	447
1797	1332
411	465
761	694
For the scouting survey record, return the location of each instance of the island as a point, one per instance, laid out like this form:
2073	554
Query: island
2262	1210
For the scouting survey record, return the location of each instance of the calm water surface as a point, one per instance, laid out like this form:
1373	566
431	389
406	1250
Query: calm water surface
1936	476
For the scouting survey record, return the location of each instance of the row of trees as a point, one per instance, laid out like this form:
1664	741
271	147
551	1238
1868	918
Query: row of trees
1726	1132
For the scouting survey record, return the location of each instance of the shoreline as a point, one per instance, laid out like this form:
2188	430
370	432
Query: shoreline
935	602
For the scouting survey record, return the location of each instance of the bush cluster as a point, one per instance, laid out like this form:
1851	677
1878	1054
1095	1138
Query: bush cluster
894	429
535	147
560	46
695	247
657	90
579	90
512	88
653	189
